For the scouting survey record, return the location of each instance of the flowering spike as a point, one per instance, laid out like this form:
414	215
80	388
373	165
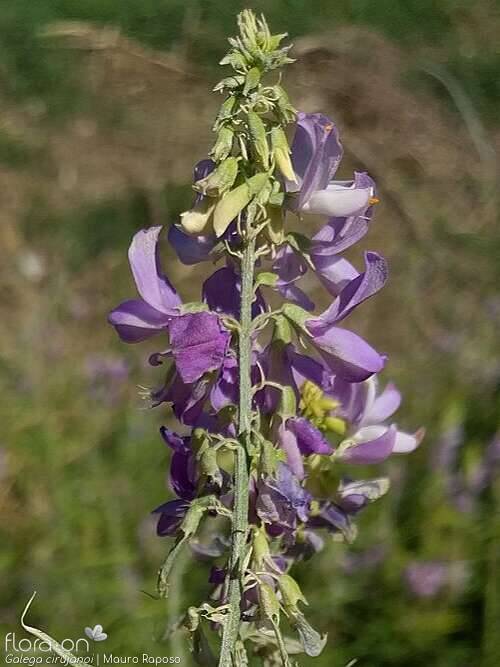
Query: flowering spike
275	399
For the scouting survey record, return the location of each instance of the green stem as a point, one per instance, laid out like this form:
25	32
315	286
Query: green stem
240	505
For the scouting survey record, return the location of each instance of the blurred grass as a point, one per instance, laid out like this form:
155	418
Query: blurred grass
201	27
80	462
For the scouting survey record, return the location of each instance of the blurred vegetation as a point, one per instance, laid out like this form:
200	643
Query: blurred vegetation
81	464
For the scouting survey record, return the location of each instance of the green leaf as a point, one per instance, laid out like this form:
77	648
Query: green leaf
225	112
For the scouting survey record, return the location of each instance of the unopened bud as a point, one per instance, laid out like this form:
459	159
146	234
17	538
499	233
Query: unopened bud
335	425
209	466
268	602
275	229
252	80
198	219
259	138
219	181
231	205
290	592
261	550
223	144
281	153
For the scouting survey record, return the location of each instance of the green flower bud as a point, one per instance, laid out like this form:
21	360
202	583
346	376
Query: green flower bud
268	602
209	466
270	457
235	59
219	181
231	205
275	229
290	592
285	109
259	138
281	153
335	425
288	403
282	330
223	144
225	112
230	83
199	218
252	80
261	551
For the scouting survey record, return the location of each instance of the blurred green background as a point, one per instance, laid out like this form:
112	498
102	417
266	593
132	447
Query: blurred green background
104	108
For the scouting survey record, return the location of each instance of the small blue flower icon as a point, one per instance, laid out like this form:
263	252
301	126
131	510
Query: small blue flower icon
96	633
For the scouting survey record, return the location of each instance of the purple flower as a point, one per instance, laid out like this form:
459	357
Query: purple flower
198	340
316	155
289	267
322	252
333	518
282	501
298	438
346	354
171	515
282	364
199	344
222	293
361	288
182	465
159	303
369	440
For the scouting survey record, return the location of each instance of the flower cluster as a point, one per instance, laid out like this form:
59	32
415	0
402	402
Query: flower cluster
280	404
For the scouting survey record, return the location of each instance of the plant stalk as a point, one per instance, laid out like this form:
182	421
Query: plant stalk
240	504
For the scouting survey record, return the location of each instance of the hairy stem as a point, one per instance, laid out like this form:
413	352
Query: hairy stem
240	505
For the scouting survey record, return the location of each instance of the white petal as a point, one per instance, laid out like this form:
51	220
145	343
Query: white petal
338	201
406	442
368	433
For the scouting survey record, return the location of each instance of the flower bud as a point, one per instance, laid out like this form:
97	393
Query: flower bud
209	467
261	551
225	111
259	138
268	602
219	181
290	592
281	153
229	83
198	219
252	80
335	425
223	144
231	205
275	229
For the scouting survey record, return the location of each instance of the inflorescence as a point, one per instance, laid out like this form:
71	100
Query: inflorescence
282	403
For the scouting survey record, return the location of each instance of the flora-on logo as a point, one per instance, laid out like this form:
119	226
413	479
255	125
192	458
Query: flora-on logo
96	633
45	643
